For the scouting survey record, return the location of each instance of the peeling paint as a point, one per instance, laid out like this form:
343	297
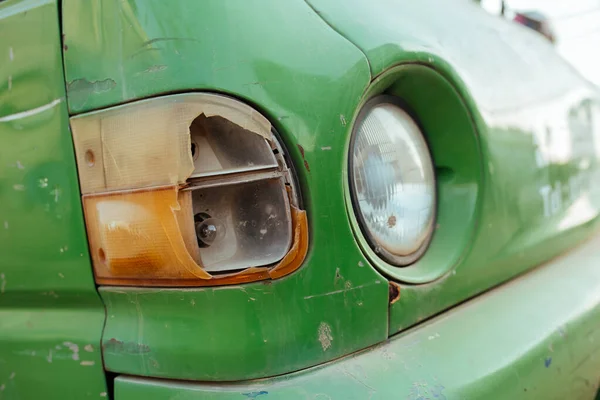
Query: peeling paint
5	224
18	187
87	363
103	394
74	348
325	336
19	165
343	119
326	148
2	283
89	348
89	87
254	395
116	346
11	54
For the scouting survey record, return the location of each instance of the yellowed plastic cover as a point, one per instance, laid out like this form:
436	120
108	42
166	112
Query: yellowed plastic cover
148	143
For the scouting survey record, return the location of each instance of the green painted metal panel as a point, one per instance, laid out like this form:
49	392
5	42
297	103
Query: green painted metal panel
309	85
531	114
535	338
51	316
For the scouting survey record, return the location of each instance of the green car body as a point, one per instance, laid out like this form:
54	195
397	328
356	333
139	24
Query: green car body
513	131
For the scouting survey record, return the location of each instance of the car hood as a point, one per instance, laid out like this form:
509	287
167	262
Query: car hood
503	66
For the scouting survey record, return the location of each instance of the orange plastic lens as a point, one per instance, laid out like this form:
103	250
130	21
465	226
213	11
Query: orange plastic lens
137	235
136	239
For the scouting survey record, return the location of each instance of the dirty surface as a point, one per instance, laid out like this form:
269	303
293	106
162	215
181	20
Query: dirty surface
51	317
515	350
302	87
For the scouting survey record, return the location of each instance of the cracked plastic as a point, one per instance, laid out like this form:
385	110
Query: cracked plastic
148	143
134	159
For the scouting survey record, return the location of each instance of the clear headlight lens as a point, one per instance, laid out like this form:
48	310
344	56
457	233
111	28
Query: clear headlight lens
392	181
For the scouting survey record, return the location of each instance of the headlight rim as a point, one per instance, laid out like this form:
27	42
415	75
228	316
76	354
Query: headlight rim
383	254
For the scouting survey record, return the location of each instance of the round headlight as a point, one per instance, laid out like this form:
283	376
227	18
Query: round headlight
392	181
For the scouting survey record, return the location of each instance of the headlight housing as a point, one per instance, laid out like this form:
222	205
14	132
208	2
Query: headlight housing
187	190
392	181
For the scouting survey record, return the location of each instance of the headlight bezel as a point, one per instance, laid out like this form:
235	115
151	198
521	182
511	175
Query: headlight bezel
386	255
450	130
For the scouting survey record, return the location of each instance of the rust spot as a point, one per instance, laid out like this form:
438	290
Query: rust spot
391	221
306	165
305	162
117	346
301	150
394	293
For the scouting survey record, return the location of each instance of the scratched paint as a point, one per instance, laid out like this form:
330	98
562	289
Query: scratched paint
42	290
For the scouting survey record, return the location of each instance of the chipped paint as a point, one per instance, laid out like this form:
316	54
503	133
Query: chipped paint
117	346
254	395
87	363
154	68
85	86
18	187
343	119
325	336
89	348
74	348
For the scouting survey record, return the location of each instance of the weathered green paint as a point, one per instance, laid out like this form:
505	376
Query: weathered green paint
51	316
309	88
534	338
310	81
531	113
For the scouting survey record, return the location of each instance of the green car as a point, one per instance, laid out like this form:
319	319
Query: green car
309	199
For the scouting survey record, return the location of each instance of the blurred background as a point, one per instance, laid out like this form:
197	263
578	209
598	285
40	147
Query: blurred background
572	26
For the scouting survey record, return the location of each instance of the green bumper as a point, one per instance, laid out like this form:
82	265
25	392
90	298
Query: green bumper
536	337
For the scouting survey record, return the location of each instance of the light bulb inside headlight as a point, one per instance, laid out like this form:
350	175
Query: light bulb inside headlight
392	181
